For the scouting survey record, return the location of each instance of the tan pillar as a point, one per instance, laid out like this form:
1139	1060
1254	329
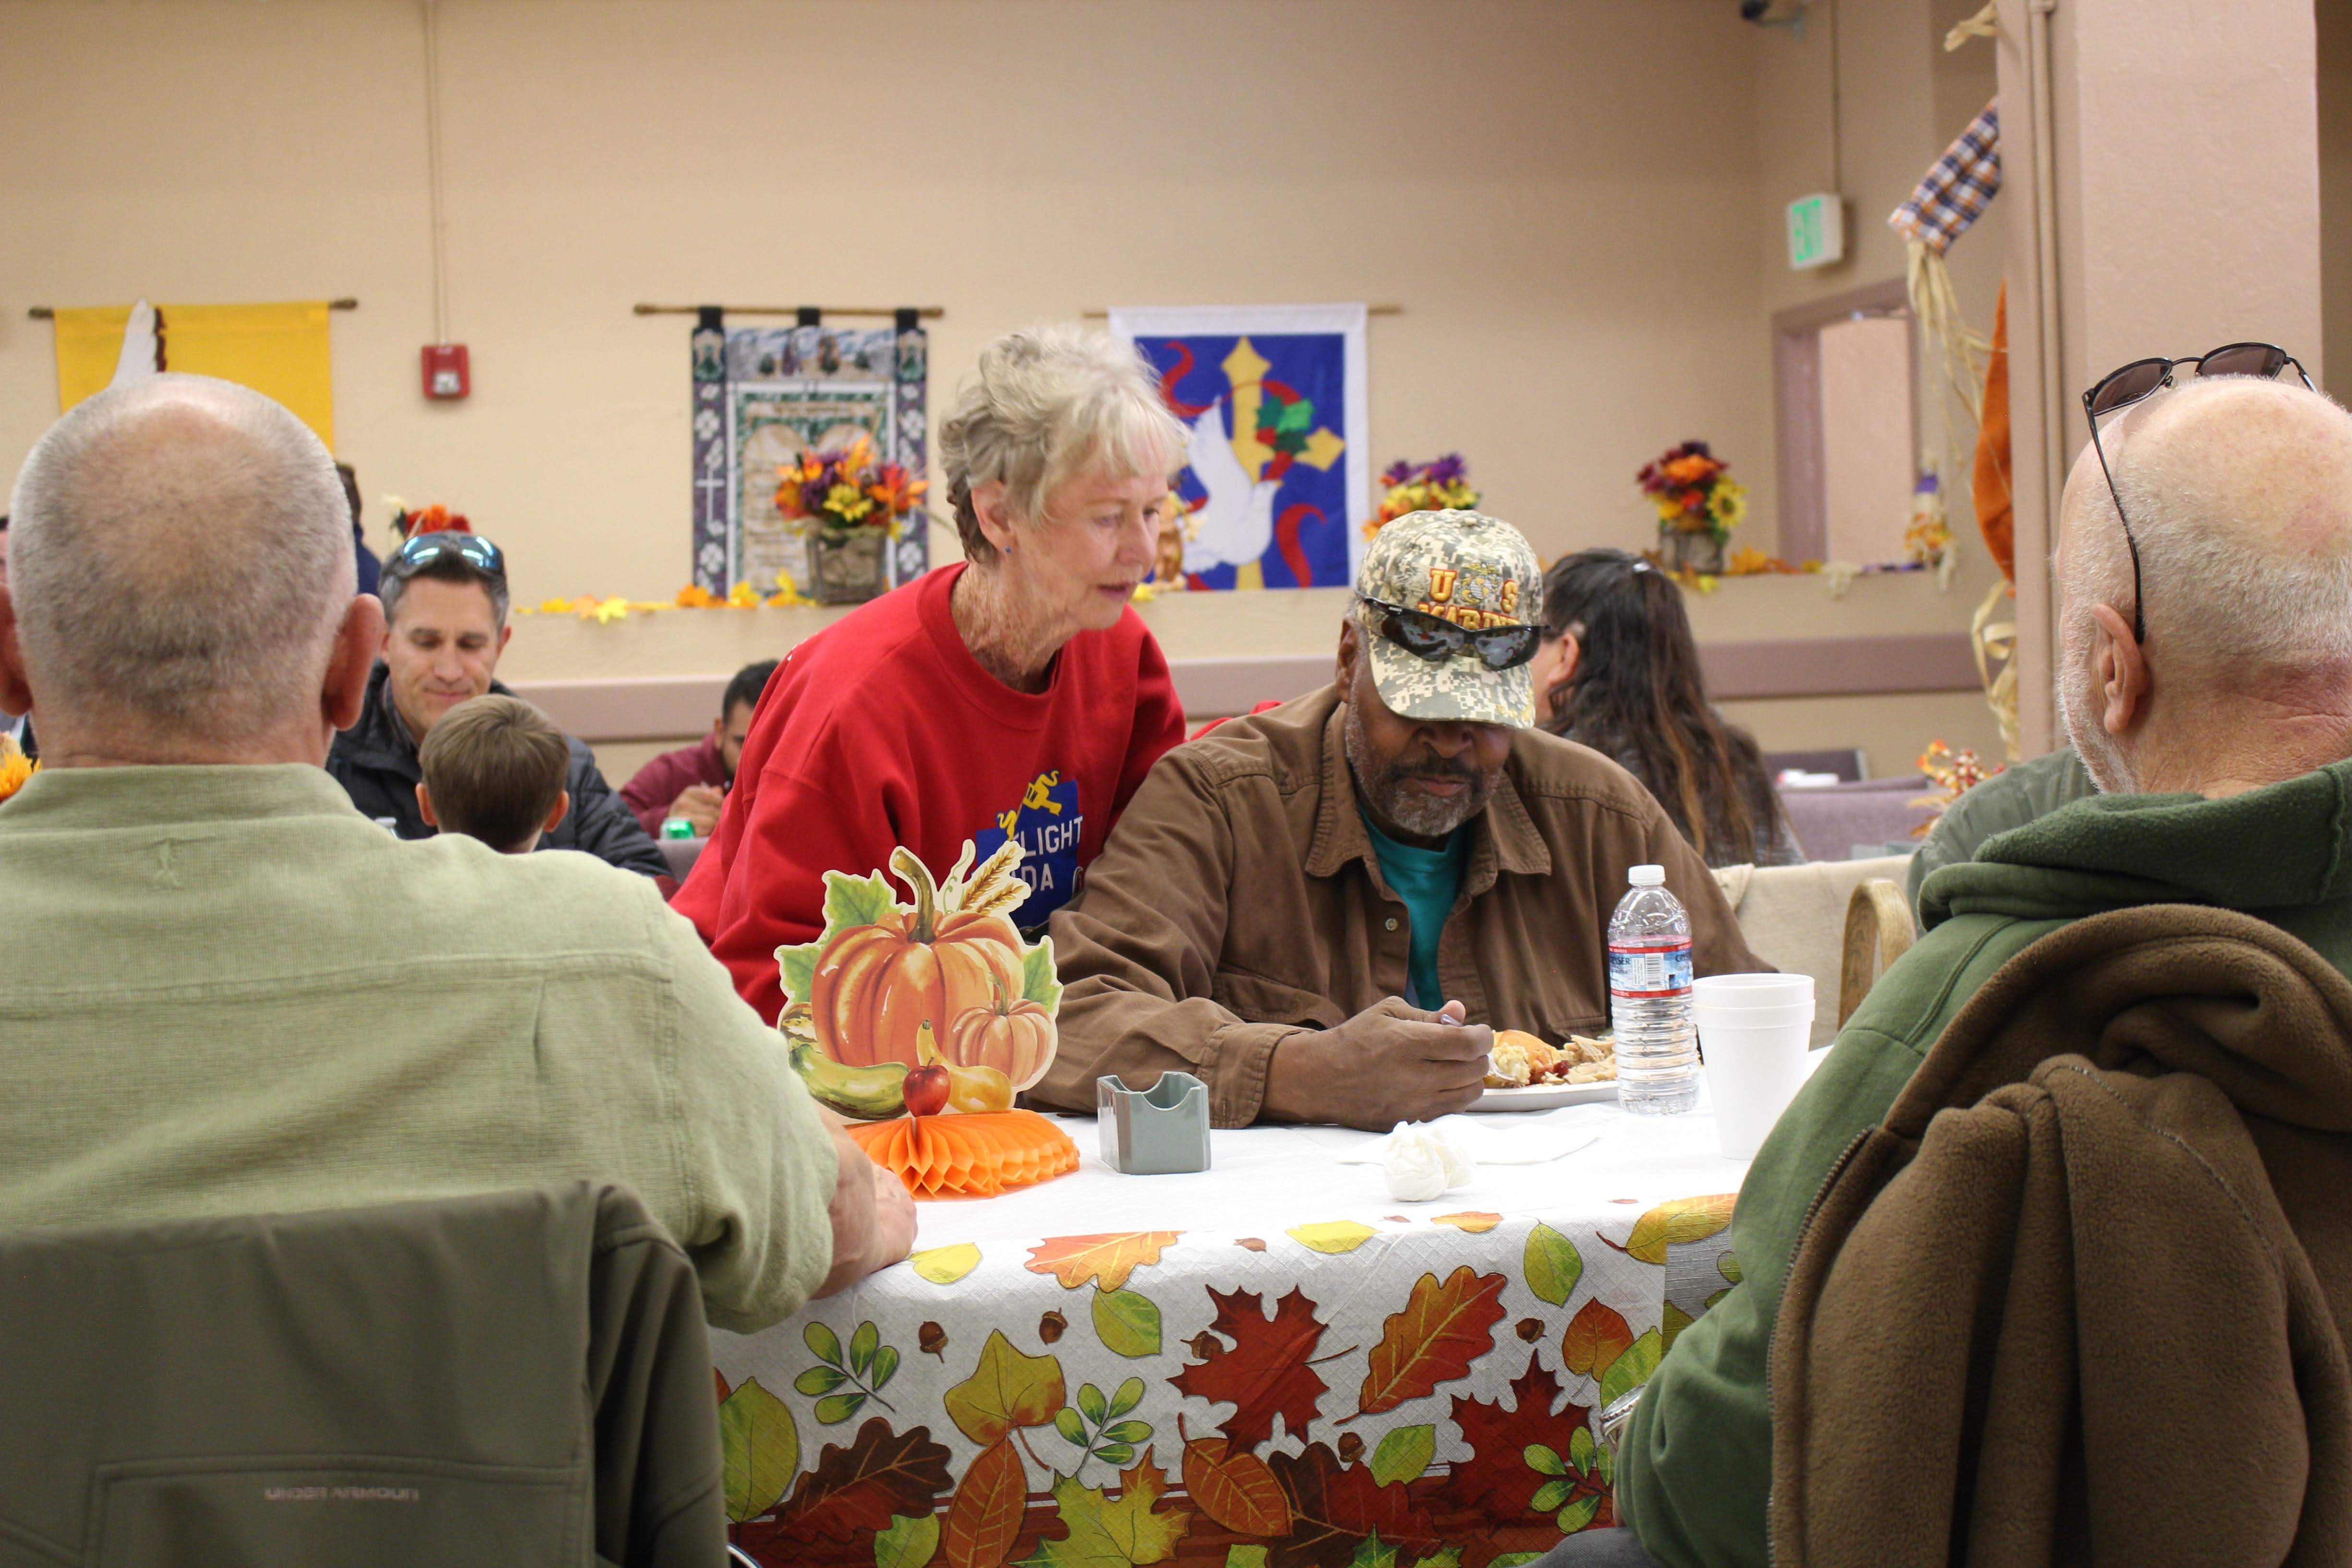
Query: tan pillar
2175	207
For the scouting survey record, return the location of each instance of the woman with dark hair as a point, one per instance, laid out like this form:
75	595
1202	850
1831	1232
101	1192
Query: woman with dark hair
1618	672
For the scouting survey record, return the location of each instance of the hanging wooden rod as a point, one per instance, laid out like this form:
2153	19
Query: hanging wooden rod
49	313
1099	314
927	312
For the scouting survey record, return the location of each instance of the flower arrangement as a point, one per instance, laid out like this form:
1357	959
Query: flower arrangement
1426	486
1953	774
408	521
1927	542
14	767
838	492
1694	494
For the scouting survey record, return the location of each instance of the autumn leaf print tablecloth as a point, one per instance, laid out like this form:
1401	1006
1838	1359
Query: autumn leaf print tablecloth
1269	1364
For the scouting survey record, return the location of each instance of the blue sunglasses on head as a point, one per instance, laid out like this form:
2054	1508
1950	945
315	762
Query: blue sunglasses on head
422	548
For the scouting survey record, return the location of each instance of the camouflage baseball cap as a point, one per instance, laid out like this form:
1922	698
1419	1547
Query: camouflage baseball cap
1466	567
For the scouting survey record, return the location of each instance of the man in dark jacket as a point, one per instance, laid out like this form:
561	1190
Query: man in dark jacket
444	605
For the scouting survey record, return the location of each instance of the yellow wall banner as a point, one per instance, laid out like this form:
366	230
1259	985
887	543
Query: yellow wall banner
279	351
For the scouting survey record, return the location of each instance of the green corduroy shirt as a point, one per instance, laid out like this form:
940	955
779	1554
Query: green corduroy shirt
224	991
1694	1470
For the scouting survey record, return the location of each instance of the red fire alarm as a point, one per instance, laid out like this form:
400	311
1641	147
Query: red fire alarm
446	374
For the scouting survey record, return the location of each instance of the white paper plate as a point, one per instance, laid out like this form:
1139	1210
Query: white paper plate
1544	1096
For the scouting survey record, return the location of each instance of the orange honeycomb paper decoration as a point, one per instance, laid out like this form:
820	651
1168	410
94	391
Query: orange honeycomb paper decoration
977	1154
899	1012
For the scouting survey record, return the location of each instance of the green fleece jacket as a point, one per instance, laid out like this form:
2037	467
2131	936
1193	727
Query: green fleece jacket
1696	1465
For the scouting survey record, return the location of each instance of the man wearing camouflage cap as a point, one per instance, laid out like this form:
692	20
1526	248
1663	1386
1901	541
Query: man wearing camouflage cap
1324	910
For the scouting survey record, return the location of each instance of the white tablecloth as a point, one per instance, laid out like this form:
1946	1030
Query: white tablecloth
1272	1355
1633	1155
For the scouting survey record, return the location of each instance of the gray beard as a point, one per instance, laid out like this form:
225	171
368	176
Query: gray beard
1393	805
2102	758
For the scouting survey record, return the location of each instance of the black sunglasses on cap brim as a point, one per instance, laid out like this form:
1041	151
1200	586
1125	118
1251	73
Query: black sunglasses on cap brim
1436	639
423	549
2142	379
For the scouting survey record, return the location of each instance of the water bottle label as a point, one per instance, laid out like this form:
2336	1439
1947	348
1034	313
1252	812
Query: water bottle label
1653	967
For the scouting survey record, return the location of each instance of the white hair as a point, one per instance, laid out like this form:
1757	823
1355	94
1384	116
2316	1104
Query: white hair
1048	403
2238	493
181	558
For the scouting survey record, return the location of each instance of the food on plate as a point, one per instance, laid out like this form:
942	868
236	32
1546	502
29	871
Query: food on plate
1519	1059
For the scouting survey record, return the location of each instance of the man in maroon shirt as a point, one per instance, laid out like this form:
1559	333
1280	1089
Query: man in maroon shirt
691	781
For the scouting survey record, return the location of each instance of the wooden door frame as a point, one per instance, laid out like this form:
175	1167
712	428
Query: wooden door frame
1796	407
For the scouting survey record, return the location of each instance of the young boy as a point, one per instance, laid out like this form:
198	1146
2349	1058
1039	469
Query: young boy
494	770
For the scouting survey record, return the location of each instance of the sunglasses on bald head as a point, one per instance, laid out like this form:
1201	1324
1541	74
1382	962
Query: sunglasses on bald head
2142	379
423	549
1436	639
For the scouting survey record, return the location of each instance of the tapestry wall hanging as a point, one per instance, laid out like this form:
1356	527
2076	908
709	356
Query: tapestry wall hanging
762	395
1279	474
279	351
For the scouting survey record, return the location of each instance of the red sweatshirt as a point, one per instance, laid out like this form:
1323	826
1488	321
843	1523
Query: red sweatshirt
883	730
653	788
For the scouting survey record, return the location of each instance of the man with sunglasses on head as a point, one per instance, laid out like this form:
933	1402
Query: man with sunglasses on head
2204	571
444	606
1325	911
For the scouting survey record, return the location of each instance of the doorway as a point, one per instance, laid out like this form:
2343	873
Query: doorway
1846	377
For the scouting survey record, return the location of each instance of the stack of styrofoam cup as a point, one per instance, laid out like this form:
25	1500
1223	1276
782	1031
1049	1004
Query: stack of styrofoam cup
1752	1031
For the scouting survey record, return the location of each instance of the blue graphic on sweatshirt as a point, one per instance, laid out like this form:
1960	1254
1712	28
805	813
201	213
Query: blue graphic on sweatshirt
1047	824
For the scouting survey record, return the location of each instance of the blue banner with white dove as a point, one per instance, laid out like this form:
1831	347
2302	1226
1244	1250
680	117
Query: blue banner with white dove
1279	469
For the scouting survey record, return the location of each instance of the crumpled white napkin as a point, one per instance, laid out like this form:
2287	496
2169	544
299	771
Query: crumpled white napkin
1524	1142
1421	1163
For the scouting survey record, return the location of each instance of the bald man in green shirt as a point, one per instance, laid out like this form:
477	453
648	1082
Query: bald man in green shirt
224	991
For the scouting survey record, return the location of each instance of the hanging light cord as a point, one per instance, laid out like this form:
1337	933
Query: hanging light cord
432	14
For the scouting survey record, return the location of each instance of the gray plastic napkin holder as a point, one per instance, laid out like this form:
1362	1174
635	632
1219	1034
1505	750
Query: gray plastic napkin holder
1161	1132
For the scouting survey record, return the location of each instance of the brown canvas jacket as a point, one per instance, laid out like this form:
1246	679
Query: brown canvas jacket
2083	1297
1239	901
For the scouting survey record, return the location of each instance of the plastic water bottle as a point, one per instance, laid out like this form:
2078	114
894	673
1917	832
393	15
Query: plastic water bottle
1650	998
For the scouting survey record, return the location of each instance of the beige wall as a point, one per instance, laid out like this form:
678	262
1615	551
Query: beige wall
1576	201
1899	100
1562	230
2334	18
2184	188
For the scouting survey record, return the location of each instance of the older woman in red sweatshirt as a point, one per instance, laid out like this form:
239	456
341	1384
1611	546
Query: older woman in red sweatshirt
1014	694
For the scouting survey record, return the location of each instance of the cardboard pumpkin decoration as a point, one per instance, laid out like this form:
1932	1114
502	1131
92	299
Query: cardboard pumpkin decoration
899	1012
892	990
1012	1034
878	987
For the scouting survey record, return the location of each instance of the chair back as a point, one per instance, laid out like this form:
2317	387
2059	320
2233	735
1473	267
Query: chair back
513	1378
1794	918
1879	931
1831	820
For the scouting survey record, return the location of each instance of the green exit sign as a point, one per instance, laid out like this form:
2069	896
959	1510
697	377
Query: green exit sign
1816	230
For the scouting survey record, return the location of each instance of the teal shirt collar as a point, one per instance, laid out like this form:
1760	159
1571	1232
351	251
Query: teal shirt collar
1429	881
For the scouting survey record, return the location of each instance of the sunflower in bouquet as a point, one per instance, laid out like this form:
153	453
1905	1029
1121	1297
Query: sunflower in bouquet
841	490
1693	492
1433	486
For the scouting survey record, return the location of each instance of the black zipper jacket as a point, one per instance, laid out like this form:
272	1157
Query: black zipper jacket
375	761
